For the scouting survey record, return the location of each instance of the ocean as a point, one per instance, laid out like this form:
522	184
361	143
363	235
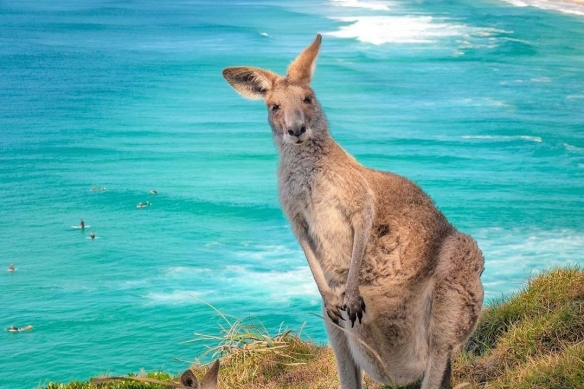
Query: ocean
479	102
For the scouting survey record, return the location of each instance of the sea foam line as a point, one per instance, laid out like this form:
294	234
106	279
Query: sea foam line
573	148
382	29
177	297
277	286
372	5
505	138
378	30
514	255
381	22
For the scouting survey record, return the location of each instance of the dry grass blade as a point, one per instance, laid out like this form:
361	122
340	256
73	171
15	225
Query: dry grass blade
223	316
243	337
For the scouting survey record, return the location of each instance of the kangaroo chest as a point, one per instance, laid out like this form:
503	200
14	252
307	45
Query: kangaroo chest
318	203
312	197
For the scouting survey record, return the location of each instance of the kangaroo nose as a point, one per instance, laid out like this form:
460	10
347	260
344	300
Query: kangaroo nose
297	131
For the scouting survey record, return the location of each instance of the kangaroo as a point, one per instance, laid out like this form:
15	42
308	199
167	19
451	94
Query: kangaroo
189	381
380	251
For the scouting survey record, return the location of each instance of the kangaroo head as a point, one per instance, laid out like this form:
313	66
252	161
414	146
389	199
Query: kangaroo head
189	381
293	110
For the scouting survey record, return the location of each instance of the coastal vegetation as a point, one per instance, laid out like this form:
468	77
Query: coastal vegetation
533	339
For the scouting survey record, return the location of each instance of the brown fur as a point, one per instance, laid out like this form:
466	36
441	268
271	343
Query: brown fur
395	276
188	380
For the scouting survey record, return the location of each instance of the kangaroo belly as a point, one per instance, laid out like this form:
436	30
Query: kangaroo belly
398	365
391	344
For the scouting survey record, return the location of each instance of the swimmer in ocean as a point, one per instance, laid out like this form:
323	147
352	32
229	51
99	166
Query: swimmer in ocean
153	191
11	267
19	329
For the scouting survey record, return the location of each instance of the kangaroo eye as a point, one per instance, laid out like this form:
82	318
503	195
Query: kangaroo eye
274	107
307	100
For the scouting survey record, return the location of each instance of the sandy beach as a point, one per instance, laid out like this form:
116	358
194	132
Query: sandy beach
546	3
574	7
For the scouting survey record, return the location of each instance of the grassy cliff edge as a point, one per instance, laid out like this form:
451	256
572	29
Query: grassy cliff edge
531	340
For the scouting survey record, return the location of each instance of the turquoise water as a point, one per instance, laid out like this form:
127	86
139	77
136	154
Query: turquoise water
480	102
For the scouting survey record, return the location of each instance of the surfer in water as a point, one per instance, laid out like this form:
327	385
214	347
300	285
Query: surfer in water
153	191
11	267
92	235
19	329
82	224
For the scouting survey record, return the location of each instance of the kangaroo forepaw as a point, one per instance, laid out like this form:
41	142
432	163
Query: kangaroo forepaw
334	313
332	305
355	307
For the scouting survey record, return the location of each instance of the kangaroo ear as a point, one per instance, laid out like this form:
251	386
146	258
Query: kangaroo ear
210	378
252	83
301	69
188	380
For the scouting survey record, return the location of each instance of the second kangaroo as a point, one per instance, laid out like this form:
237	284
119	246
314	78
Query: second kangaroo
400	285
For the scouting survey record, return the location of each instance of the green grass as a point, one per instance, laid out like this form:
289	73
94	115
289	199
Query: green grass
531	340
119	384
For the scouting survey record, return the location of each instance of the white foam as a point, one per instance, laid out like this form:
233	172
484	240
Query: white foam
505	138
176	297
277	286
295	281
550	5
378	30
517	3
541	79
184	271
281	286
213	244
262	252
573	148
512	256
275	272
372	4
480	102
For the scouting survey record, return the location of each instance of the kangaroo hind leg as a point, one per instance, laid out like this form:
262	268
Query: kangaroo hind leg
458	298
438	372
349	372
